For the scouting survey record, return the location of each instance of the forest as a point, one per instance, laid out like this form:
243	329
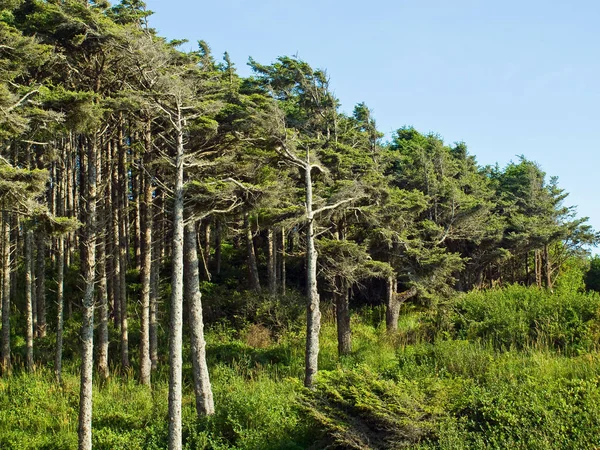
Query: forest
195	259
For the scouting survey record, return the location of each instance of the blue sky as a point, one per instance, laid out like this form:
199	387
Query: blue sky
507	77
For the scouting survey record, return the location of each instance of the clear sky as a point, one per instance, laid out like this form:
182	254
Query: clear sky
507	77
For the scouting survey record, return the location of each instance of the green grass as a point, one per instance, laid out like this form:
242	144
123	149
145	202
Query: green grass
515	369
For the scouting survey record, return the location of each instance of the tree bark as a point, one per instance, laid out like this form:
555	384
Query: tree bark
29	298
218	232
123	253
394	302
146	261
176	325
547	268
271	262
41	285
342	316
282	275
313	311
6	269
251	257
155	284
202	387
538	268
115	233
87	329
59	308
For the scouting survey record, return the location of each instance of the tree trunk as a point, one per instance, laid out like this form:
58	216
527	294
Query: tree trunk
394	302
28	298
342	316
146	261
392	306
115	253
155	284
251	257
5	353
59	308
313	311
538	268
176	325
41	284
123	254
218	232
87	329
547	268
202	388
282	275
271	262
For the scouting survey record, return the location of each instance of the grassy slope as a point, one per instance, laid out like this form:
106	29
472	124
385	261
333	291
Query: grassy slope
508	369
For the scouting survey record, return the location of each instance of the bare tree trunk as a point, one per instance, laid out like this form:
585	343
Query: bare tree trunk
342	315
527	280
218	256
28	297
202	388
251	256
59	308
282	276
392	305
123	253
103	312
6	268
538	268
155	284
87	329
146	260
394	302
115	253
41	284
206	230
313	311
547	268
176	325
136	184
271	262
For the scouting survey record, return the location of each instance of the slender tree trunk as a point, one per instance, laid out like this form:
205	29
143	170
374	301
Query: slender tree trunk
313	311
218	256
538	268
146	261
59	308
271	262
392	305
202	388
282	277
251	256
176	325
155	284
41	284
206	231
28	298
547	268
123	254
342	315
87	329
137	193
527	280
6	269
115	253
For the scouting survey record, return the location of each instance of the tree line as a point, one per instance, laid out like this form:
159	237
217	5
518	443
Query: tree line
132	172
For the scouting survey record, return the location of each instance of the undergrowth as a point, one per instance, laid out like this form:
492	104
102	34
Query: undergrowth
515	368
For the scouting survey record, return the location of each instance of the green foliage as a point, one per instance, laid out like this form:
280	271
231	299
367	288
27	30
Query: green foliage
519	317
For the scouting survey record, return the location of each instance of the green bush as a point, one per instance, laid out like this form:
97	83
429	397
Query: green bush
519	317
